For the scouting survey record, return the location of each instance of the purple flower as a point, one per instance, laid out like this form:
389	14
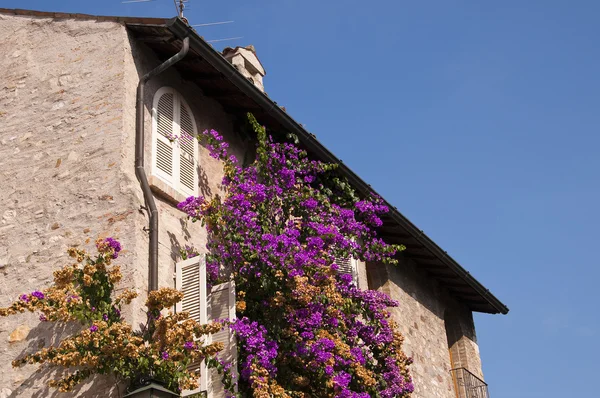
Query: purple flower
93	328
164	355
189	345
358	355
105	317
39	295
342	379
310	204
252	337
114	245
346	278
188	252
43	318
24	298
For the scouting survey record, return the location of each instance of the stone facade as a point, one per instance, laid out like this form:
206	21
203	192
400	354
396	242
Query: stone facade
433	324
65	178
67	131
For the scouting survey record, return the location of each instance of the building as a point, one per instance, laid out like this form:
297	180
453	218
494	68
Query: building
68	150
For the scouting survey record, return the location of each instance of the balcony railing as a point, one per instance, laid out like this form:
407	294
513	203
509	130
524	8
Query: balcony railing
468	385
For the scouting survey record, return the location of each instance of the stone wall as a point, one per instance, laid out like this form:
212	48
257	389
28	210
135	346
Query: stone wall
61	135
421	318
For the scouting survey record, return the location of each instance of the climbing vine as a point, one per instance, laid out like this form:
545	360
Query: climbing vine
304	329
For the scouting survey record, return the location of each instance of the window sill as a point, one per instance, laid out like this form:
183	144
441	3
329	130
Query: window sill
165	191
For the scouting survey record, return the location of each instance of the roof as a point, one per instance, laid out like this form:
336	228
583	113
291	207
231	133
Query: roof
66	15
218	79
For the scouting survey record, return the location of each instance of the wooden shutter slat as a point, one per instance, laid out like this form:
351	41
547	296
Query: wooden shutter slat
164	115
187	145
187	171
164	123
187	130
164	157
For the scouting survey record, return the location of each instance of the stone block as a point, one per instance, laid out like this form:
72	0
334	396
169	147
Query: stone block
19	334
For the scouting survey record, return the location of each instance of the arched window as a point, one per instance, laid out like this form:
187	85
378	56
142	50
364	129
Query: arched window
174	146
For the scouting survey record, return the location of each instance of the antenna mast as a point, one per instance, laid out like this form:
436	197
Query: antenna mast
180	6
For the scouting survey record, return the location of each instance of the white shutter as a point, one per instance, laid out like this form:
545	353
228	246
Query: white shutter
188	150
348	266
221	305
190	278
174	162
163	125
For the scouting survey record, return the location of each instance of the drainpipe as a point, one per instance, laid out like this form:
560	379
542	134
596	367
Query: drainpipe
140	173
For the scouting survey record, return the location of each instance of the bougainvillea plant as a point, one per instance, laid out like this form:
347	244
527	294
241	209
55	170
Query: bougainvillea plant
106	344
303	329
188	251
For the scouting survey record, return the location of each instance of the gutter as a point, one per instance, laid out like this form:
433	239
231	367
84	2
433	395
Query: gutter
205	50
140	173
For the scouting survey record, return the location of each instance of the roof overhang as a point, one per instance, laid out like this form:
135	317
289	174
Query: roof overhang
218	79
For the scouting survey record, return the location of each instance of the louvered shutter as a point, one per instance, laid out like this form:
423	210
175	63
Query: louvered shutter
347	266
221	305
190	278
164	125
188	150
174	162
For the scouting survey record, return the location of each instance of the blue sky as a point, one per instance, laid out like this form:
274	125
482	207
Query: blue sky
480	121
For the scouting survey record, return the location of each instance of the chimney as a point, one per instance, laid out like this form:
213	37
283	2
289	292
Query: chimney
244	59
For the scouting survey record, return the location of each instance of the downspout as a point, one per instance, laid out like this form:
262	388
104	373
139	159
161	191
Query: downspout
140	173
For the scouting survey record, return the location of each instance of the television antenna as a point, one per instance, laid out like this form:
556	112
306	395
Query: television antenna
226	39
180	6
212	23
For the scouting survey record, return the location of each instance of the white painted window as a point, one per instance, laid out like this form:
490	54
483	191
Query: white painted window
206	305
174	146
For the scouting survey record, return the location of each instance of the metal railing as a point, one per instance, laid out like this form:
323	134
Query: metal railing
468	385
